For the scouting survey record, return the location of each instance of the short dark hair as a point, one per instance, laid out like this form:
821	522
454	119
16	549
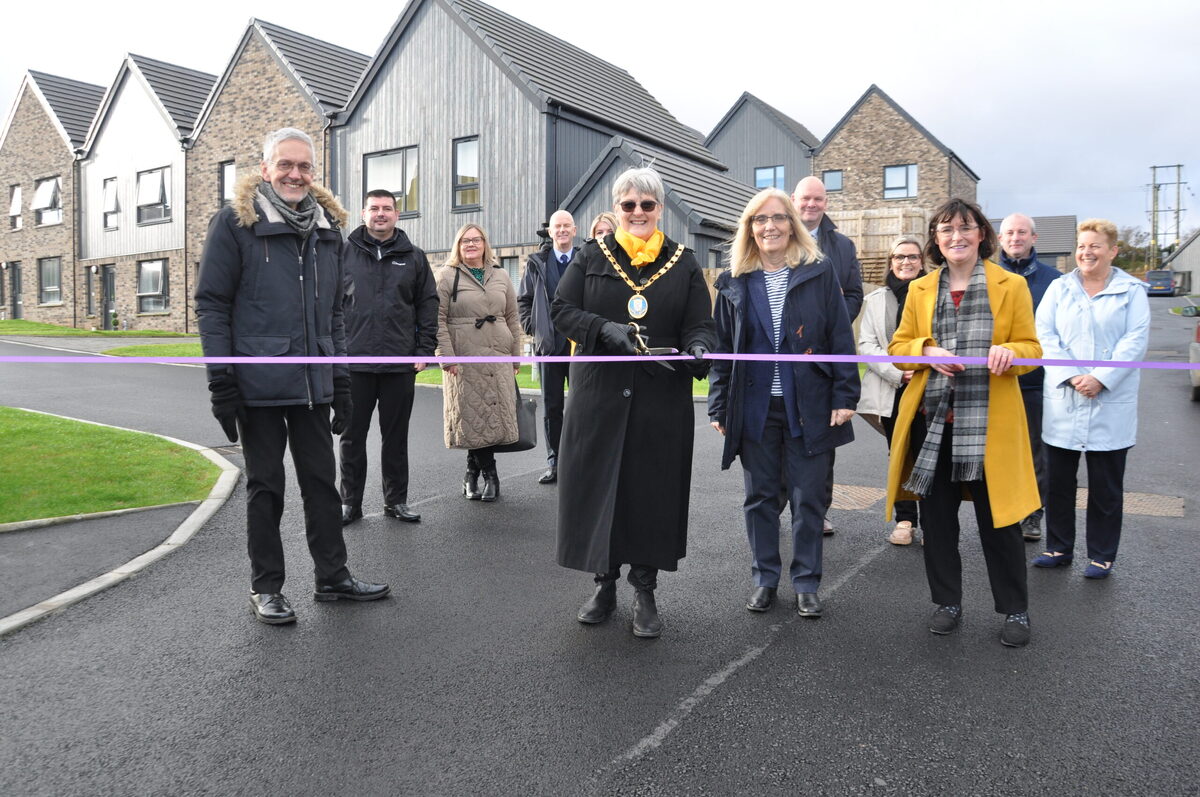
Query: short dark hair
379	193
967	211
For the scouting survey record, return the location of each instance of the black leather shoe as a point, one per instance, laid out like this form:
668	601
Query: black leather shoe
761	599
945	620
491	485
646	624
271	608
808	604
550	476
350	589
401	512
350	513
471	486
600	606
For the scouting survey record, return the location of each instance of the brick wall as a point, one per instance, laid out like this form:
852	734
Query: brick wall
179	287
33	150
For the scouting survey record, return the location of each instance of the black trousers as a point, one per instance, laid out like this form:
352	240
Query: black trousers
1033	414
904	510
394	395
266	431
481	458
1105	506
552	376
1003	548
640	576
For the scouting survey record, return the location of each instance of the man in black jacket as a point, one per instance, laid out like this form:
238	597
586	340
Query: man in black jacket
391	309
271	286
542	272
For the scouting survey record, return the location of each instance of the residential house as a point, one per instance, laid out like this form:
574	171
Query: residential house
471	115
762	146
276	78
133	194
1055	239
48	123
1185	260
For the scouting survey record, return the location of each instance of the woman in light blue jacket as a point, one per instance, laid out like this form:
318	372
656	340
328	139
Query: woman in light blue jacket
1097	312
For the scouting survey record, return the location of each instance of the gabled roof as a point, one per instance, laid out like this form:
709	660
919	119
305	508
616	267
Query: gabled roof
707	197
786	123
1055	234
904	114
73	103
553	72
1180	249
178	92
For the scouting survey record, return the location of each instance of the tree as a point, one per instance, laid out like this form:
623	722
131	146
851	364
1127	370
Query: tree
1135	249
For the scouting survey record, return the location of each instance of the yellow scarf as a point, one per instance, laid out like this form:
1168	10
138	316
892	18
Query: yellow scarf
640	252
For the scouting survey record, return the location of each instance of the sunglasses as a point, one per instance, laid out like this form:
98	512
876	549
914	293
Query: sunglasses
646	205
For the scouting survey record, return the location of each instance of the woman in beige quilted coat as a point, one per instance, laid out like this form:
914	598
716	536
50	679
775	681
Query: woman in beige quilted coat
477	317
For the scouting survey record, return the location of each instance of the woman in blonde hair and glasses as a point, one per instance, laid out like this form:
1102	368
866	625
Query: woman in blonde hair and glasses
784	419
604	224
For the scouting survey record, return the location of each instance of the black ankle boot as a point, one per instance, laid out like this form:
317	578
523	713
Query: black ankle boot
471	485
491	484
645	615
600	606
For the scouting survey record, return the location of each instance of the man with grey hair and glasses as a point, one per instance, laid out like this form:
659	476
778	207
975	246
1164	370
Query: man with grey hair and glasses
1018	234
270	285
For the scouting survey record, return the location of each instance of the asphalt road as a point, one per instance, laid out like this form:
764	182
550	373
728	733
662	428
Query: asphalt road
475	678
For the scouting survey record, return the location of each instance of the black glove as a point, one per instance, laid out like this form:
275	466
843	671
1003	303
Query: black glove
342	406
698	367
616	338
698	350
226	401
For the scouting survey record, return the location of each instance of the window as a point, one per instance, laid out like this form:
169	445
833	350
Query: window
47	202
769	177
714	258
832	179
152	286
512	264
89	284
900	182
396	172
154	196
50	280
466	173
226	180
14	207
112	209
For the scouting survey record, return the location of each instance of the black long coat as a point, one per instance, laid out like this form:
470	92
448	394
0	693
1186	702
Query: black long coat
625	460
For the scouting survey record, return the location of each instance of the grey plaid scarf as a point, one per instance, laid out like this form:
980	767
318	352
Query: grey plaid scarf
966	331
302	218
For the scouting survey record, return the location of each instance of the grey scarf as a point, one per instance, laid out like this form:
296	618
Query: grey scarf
967	332
302	218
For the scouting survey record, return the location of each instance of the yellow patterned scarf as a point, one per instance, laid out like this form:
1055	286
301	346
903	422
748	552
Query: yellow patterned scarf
640	252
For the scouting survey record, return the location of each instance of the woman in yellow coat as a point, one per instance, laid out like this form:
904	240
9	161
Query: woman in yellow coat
960	431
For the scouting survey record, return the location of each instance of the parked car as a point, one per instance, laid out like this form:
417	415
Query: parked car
1162	282
1194	354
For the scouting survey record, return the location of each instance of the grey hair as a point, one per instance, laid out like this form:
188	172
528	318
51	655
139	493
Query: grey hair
1032	223
644	180
277	137
906	239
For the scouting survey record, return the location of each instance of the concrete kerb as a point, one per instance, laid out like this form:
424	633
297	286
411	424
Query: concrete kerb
185	531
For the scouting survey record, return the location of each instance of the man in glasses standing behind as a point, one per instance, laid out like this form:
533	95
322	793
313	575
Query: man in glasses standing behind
270	286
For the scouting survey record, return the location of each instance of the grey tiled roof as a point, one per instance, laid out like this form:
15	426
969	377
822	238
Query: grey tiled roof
329	72
709	197
1056	234
73	102
801	133
181	91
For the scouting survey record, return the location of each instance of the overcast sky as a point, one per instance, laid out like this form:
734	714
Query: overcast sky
1058	112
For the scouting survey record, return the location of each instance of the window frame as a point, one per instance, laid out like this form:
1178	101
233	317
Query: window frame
457	188
43	286
409	154
52	211
512	266
778	177
841	173
225	186
910	181
164	203
162	294
15	220
110	210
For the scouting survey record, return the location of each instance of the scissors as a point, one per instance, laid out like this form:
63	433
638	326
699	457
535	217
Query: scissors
639	345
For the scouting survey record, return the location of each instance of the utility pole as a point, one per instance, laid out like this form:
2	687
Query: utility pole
1155	187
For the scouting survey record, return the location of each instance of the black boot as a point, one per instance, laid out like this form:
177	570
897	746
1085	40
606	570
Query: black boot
471	484
491	484
645	615
600	606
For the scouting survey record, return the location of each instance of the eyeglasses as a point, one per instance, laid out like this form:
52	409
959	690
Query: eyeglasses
761	219
475	241
646	205
287	166
946	231
906	258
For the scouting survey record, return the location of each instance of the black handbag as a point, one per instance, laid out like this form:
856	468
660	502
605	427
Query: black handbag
526	425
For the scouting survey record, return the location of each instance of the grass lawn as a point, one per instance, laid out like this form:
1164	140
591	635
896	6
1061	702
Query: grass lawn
59	467
22	327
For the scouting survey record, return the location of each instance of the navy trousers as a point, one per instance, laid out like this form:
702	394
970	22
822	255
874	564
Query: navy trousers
1105	506
552	376
775	463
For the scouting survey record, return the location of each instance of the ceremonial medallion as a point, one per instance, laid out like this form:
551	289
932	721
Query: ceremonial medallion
637	306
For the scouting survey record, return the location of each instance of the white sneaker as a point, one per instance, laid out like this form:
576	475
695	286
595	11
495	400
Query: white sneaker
827	528
902	534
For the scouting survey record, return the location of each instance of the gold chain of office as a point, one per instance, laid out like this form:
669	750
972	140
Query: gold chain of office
637	304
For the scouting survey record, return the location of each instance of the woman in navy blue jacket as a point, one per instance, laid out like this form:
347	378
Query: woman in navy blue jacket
781	296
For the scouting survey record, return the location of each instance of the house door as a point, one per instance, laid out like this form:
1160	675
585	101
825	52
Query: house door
18	307
108	296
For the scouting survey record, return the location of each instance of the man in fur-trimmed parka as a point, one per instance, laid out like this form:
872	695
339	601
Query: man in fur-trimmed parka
270	286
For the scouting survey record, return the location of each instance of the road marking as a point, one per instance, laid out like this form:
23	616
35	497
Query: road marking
93	354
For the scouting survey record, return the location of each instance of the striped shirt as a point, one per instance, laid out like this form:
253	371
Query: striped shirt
777	282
